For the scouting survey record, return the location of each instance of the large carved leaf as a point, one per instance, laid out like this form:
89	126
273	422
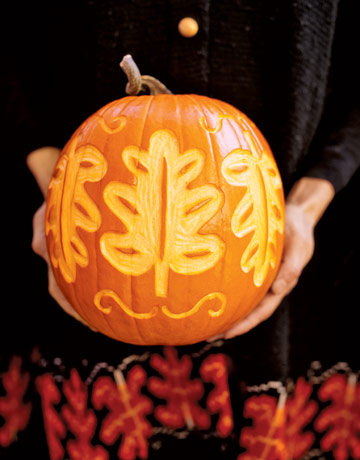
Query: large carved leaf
70	207
259	212
162	214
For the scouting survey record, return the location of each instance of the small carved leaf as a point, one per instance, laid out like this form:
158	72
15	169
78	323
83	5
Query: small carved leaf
69	207
259	212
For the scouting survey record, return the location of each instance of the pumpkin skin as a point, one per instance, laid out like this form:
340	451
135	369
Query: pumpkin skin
165	219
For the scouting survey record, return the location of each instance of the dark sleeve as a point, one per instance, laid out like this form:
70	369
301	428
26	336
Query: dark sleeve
336	149
25	127
340	156
47	80
26	81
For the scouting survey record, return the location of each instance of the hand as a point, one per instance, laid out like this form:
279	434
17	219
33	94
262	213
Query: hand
39	247
41	163
304	206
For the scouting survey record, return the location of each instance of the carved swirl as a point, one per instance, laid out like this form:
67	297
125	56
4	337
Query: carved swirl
120	120
98	301
198	305
253	143
107	310
219	122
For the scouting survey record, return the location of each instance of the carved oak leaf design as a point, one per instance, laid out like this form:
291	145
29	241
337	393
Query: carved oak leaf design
70	207
162	215
259	212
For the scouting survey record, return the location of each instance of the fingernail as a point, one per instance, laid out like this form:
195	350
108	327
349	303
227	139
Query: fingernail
279	287
215	337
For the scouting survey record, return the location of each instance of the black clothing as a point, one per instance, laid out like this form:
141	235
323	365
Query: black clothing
287	65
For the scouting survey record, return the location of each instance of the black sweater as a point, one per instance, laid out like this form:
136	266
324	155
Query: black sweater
287	64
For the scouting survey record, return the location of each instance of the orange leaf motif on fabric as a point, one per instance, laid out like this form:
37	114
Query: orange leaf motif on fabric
162	214
259	212
81	421
54	426
213	369
265	440
69	207
181	393
299	413
127	410
15	412
342	418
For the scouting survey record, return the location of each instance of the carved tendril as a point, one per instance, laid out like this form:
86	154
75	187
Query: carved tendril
138	82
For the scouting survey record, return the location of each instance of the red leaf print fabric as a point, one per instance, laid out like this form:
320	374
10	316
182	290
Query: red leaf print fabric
181	393
54	426
12	408
342	418
299	412
214	370
265	440
81	421
127	410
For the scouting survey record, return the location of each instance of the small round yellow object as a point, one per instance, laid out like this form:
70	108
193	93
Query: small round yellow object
188	27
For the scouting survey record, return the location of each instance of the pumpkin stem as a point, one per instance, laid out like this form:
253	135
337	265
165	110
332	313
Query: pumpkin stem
138	82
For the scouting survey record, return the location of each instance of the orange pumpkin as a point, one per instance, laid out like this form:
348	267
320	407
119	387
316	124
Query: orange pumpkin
165	219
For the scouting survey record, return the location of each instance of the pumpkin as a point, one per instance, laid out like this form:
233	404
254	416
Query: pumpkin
165	218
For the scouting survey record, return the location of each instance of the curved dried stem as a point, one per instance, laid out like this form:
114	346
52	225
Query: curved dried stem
138	82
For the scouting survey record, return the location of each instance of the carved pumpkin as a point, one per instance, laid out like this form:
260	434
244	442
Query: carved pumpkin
165	218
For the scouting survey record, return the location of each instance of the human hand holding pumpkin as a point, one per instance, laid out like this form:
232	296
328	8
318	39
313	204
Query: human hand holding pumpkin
305	204
41	163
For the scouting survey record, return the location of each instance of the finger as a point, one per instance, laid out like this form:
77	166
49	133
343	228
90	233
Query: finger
296	255
215	337
38	243
41	163
55	292
262	312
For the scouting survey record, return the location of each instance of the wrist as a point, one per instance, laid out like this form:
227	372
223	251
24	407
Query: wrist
312	195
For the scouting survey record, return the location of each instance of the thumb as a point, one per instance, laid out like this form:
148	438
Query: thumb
38	243
41	163
297	253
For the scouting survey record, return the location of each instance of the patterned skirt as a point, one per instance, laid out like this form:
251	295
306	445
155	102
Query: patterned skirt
174	402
